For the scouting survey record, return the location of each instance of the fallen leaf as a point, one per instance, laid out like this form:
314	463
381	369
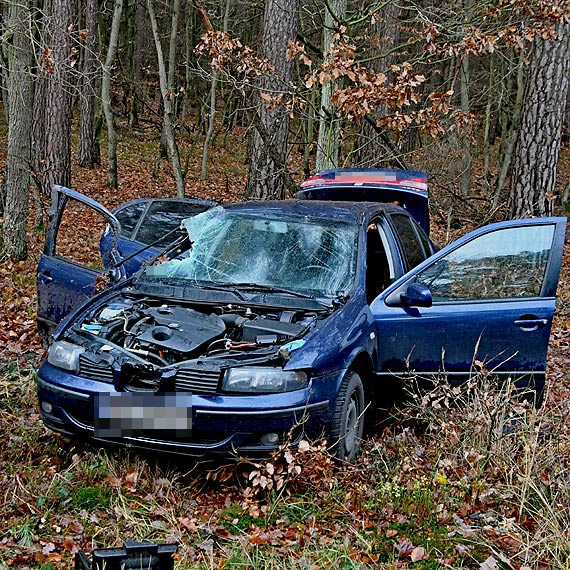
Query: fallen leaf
419	553
391	532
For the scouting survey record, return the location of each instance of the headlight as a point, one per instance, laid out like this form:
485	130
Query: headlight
264	380
65	355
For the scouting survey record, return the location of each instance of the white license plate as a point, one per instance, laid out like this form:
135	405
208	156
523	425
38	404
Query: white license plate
127	414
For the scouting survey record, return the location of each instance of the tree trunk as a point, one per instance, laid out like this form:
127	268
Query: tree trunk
385	33
170	87
131	33
212	114
467	157
266	179
509	130
106	96
19	155
4	9
58	69
538	143
189	43
168	125
329	124
88	153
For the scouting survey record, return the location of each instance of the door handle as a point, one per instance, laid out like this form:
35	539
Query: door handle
46	277
531	324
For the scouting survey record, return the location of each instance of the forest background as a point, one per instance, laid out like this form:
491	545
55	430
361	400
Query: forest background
241	100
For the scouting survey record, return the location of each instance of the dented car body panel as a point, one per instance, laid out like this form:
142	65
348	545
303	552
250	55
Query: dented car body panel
272	321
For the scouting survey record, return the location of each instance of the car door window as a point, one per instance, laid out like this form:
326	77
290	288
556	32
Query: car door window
164	216
424	240
129	217
506	263
413	250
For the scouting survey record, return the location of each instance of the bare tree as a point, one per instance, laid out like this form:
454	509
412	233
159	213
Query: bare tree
19	156
168	124
213	101
266	177
88	153
382	35
106	96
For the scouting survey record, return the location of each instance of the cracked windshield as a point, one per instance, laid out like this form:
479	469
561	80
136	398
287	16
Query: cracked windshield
305	255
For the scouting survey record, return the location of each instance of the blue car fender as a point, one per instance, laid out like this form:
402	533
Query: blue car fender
338	341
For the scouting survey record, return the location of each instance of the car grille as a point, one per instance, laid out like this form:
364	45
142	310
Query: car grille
95	370
197	380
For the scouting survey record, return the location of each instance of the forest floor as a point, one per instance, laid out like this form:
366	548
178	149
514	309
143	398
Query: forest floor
482	484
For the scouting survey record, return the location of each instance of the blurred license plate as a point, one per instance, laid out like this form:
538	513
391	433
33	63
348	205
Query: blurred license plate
128	414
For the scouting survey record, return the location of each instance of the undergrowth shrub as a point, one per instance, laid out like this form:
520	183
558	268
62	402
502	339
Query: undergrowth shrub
504	462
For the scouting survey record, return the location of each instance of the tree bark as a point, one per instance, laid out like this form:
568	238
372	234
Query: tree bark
58	69
4	9
385	33
538	143
112	181
328	145
467	155
19	155
266	177
88	152
509	131
132	86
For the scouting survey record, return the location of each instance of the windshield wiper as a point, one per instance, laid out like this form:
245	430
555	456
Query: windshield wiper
271	289
231	287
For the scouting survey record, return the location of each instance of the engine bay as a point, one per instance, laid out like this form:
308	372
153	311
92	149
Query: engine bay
167	333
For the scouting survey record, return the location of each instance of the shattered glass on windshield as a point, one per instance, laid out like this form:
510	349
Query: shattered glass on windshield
298	253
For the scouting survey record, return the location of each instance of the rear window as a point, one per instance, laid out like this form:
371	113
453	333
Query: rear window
159	218
129	217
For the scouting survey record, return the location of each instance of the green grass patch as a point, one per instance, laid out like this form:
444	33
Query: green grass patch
237	520
91	498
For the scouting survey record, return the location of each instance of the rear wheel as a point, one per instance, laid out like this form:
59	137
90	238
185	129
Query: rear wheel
348	419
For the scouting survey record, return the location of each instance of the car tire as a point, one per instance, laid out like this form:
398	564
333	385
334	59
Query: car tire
348	418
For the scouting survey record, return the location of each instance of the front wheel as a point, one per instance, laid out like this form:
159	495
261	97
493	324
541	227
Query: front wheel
348	419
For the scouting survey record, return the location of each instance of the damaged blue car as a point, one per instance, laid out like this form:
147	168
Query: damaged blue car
267	322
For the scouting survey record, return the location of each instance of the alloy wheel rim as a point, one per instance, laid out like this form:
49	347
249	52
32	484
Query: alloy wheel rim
351	426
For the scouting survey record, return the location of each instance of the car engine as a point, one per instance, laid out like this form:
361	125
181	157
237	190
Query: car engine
166	333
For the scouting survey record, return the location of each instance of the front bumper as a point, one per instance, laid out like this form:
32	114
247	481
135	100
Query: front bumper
221	424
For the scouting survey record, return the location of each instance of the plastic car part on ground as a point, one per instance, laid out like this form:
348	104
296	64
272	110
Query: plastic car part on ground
133	555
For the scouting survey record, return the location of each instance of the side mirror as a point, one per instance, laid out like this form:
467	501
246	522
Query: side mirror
416	295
